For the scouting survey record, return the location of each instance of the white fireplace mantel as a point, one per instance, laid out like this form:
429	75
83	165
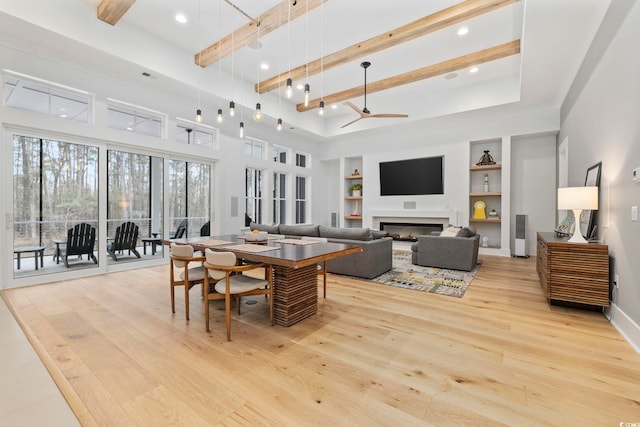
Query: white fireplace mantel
375	216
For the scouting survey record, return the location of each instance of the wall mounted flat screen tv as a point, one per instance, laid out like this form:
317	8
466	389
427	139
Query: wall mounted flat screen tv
412	177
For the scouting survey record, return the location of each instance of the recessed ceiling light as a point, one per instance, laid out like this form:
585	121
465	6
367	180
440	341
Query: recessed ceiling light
462	31
264	66
300	86
181	18
474	69
334	106
64	116
256	44
451	76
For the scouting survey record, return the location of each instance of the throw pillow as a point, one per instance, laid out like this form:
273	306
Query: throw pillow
377	234
450	232
271	229
469	231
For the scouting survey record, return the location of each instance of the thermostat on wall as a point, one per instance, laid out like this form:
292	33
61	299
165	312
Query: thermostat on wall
636	174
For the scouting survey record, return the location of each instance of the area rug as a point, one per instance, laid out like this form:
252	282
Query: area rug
439	281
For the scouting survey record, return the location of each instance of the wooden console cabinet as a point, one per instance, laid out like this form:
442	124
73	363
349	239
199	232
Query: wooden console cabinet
569	272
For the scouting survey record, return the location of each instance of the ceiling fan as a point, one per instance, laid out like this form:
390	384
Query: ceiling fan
365	113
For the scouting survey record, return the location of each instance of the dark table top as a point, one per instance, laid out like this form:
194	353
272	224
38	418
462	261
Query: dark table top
283	254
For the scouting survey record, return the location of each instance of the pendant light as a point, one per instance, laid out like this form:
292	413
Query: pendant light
279	125
232	105
321	106
289	90
307	88
241	130
219	61
219	115
257	115
198	110
232	108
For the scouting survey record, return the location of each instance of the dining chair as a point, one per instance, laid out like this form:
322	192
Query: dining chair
181	257
224	265
322	267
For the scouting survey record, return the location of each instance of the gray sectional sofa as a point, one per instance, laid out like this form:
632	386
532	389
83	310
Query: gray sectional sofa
375	258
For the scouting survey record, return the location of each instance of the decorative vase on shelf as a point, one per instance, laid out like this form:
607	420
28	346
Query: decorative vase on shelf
485	241
356	193
486	159
486	183
355	210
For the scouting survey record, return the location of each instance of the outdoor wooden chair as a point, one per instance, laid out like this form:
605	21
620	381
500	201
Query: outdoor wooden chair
179	233
205	230
81	240
126	238
223	265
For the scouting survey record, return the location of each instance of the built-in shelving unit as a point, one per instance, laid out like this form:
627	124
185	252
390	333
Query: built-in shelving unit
352	205
486	185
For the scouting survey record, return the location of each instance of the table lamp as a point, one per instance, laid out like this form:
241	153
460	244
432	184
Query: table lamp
577	199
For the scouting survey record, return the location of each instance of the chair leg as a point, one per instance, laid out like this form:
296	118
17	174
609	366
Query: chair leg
186	300
324	279
227	310
173	299
206	301
238	301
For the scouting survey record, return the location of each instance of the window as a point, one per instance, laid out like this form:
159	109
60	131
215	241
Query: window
279	198
55	186
302	160
253	195
253	148
301	199
135	119
279	154
189	195
187	133
40	96
134	192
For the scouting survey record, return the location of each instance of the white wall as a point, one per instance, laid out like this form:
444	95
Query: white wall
600	118
533	186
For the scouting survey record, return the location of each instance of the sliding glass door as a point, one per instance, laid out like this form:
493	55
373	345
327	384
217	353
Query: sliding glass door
55	187
189	198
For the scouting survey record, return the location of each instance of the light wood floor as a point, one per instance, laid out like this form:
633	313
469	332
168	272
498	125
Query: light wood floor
373	355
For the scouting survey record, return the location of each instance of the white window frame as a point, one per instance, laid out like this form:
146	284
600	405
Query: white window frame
198	128
54	89
138	110
253	142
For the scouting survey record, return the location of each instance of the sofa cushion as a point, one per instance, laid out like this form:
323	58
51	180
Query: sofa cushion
469	231
299	230
345	233
378	234
271	229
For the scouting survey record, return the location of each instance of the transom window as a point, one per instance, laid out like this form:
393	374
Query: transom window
253	148
189	133
302	160
135	119
40	96
279	154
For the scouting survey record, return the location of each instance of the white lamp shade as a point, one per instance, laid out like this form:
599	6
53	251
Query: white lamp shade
578	198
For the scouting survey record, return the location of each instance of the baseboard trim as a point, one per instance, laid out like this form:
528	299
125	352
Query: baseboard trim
629	329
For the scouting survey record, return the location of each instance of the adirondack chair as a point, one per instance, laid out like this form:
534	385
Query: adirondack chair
205	230
126	238
80	241
182	229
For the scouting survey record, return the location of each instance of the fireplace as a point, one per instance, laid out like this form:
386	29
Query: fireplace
408	231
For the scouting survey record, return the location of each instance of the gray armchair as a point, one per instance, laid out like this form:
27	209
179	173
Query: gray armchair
456	253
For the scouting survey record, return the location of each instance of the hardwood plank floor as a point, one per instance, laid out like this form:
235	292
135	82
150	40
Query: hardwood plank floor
373	355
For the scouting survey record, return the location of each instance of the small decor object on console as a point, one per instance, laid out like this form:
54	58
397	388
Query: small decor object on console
486	159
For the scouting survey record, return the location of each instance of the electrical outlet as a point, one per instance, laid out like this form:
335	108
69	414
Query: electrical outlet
616	281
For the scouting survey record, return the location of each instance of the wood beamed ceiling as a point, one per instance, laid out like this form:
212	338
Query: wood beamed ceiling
112	10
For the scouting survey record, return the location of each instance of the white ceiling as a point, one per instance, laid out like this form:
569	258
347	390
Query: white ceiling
554	34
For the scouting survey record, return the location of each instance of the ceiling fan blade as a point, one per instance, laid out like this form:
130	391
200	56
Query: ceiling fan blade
356	109
353	121
386	116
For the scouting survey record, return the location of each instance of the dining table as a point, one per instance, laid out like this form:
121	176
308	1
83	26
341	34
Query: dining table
294	262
